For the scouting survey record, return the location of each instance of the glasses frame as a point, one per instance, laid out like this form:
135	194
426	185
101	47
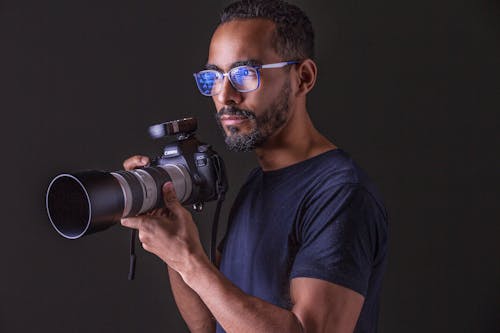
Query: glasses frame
256	67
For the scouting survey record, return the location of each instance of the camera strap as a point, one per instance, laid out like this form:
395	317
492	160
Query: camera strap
215	227
221	188
131	268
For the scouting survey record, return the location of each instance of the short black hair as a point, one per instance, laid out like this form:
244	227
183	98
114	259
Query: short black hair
294	36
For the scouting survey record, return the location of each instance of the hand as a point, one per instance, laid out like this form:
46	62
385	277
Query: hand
135	162
169	233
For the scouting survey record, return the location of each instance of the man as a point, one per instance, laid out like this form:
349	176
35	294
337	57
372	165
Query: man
306	244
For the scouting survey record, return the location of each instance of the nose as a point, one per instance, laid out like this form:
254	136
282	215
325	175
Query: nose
228	95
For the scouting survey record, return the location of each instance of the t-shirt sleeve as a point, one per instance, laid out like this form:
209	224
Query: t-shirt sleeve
337	237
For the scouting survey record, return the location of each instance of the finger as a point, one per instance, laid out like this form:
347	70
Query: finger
142	238
146	247
131	222
135	161
157	212
170	198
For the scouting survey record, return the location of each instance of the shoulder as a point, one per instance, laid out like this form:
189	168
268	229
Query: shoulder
337	166
342	199
337	177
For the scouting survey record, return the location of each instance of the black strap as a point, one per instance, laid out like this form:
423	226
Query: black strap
215	227
131	268
221	188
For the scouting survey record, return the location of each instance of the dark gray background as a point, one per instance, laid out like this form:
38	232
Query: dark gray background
409	88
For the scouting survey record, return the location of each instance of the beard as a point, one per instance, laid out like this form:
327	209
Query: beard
263	126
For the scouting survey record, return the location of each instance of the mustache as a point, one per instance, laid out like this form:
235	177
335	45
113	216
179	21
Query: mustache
234	111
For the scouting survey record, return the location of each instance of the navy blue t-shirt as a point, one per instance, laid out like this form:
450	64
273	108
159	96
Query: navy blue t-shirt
320	218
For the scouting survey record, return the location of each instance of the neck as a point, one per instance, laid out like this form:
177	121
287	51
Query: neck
297	141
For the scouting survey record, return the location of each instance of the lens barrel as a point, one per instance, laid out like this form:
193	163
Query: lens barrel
85	202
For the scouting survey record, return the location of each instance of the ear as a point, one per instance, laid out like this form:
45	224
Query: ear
306	76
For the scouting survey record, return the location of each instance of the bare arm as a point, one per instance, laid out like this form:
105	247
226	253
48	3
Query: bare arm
194	312
322	306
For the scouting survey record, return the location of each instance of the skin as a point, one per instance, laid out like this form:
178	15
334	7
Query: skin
202	293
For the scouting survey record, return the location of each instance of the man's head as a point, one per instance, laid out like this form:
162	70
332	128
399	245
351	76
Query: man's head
256	33
293	37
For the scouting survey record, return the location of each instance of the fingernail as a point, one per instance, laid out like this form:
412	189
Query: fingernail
144	160
168	186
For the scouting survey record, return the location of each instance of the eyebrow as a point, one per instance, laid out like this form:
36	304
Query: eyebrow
249	62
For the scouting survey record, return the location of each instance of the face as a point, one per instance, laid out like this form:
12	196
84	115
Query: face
250	119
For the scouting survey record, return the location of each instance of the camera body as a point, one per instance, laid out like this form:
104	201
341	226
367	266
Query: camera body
204	166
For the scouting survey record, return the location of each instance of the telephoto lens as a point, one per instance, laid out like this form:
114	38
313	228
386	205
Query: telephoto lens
89	201
85	202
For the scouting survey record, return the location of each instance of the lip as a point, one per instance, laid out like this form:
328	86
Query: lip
230	120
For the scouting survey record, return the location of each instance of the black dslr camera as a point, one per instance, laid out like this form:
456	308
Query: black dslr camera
85	202
204	166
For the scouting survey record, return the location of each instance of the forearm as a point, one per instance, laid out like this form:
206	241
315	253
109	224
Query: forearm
194	312
236	311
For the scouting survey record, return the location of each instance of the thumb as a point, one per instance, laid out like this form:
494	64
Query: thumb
169	196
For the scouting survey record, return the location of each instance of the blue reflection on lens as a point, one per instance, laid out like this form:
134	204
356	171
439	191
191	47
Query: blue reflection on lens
206	81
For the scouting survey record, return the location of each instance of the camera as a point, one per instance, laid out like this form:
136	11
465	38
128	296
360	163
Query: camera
85	202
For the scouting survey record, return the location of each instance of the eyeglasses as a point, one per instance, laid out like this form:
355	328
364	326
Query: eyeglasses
242	78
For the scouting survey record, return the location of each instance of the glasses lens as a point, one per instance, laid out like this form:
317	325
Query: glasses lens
244	78
208	82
